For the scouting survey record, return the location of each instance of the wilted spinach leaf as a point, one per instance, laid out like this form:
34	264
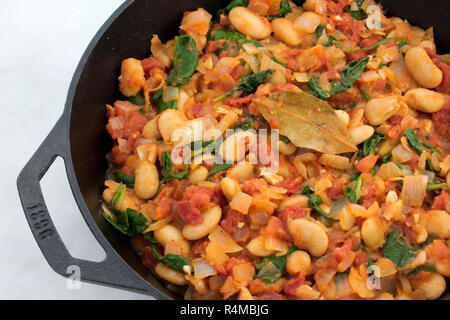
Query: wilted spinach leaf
396	250
185	60
161	105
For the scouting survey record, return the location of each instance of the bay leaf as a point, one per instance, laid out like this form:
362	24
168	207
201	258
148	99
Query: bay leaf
307	121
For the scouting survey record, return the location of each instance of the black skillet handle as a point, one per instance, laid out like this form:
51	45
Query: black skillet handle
112	271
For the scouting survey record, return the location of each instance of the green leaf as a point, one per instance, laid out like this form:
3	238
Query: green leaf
436	186
230	35
168	168
314	201
349	76
185	60
318	91
365	95
319	30
231	5
413	139
117	198
173	261
219	168
428	267
396	250
386	158
150	238
353	194
248	84
123	178
246	124
401	42
138	99
160	104
285	140
285	8
370	145
272	268
430	147
130	222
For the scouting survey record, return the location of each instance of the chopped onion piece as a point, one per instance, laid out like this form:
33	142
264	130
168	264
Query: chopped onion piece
308	22
223	239
241	202
202	269
160	223
389	170
401	155
414	189
170	93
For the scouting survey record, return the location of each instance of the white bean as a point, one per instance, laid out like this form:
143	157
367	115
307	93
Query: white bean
257	247
132	78
379	110
284	30
438	224
432	286
170	275
229	187
211	220
286	148
249	23
361	133
422	68
146	180
424	100
372	233
343	116
309	236
169	121
197	175
298	201
297	262
169	234
241	171
151	131
233	149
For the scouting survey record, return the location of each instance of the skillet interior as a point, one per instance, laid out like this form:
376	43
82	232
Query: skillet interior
129	36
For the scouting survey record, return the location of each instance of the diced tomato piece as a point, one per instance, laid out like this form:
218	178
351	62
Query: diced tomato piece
233	218
337	7
236	72
151	63
350	27
293	284
292	213
240	102
163	205
213	46
292	185
277	228
360	258
341	253
199	247
441	119
189	214
366	164
442	202
337	189
148	259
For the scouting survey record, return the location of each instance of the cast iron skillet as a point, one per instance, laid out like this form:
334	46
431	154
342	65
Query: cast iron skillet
80	138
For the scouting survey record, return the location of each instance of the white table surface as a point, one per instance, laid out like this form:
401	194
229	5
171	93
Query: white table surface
41	43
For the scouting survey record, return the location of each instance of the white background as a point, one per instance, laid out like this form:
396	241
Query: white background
41	43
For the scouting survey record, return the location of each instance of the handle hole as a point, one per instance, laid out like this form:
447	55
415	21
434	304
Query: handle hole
66	216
